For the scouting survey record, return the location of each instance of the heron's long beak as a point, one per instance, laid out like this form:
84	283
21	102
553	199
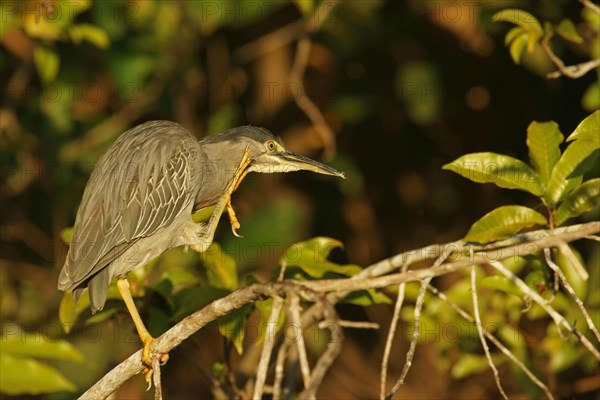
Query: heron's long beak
286	161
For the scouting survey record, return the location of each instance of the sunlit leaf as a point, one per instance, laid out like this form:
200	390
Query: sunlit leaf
311	256
90	33
203	214
583	199
20	375
221	268
67	235
517	47
503	171
305	6
521	18
47	62
503	222
543	141
513	33
575	161
264	307
567	30
588	129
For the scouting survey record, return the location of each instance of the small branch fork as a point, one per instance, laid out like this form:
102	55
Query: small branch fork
321	296
572	71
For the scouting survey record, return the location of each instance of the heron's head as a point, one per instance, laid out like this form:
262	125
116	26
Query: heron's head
266	152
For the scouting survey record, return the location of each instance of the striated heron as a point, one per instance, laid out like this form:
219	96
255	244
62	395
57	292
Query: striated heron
139	200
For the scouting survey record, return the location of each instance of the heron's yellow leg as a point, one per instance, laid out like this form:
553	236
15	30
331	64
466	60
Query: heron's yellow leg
145	337
238	177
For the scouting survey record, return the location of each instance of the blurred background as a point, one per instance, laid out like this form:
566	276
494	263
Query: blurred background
403	87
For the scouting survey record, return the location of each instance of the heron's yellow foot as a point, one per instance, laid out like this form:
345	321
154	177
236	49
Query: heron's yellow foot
147	359
235	224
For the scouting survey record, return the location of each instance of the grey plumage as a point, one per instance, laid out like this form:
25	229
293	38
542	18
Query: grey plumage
141	194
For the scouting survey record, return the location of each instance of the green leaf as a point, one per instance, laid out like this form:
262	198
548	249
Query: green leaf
517	47
67	235
500	283
311	256
194	298
513	33
20	375
21	344
501	170
366	298
578	283
47	62
305	6
591	97
232	326
543	141
576	160
101	316
503	222
588	129
69	311
583	199
179	277
469	364
566	29
221	268
264	308
203	214
91	33
521	18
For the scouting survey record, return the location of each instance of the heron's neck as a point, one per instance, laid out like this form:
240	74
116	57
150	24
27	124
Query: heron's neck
217	168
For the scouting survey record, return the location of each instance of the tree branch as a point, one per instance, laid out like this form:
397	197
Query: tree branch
524	244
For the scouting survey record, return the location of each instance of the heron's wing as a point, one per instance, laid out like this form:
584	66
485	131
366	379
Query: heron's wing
139	186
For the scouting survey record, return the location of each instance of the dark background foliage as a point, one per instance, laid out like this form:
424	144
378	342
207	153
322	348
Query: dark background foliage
406	87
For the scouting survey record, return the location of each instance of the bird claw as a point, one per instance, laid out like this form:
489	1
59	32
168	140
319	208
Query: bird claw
147	360
235	224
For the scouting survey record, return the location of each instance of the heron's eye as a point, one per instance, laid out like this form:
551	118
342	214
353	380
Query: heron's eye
271	145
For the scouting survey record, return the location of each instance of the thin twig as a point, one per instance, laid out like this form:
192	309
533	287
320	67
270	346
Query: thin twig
495	341
571	291
156	379
415	338
559	320
301	58
572	71
334	348
349	324
294	316
591	6
479	326
567	251
279	369
593	237
270	42
269	341
390	339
